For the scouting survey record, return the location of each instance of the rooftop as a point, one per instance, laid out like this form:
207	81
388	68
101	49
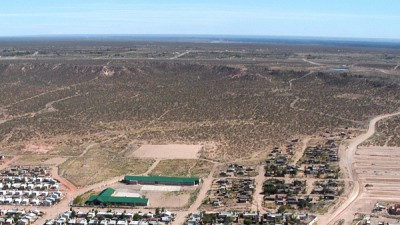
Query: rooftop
106	197
163	179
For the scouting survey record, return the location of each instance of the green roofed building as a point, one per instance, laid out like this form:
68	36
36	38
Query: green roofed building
159	180
106	198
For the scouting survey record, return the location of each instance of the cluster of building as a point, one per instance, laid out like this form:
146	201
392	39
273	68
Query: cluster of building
248	218
323	170
281	193
321	161
328	152
278	164
112	218
29	186
327	187
394	210
228	192
19	217
234	170
383	215
367	221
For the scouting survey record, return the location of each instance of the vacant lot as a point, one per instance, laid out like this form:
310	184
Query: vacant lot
183	168
377	170
100	164
39	160
171	151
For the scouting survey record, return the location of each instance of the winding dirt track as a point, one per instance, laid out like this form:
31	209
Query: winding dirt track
357	189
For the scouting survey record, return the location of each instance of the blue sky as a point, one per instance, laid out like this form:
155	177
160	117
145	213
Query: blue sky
317	18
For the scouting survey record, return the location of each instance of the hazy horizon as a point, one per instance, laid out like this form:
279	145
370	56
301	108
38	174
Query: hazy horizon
367	19
192	36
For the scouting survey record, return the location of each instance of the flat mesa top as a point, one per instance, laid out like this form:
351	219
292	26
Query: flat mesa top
170	151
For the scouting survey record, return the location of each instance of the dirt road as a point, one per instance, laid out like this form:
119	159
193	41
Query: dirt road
349	162
311	62
151	168
294	79
397	66
180	55
205	187
258	197
68	185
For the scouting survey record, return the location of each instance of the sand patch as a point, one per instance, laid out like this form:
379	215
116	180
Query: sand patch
161	188
37	148
350	96
168	199
171	151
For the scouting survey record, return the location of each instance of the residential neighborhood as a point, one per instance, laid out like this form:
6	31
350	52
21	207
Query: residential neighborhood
249	218
29	186
19	216
111	217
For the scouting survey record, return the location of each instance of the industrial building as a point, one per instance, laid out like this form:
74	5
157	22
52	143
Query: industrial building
106	198
159	180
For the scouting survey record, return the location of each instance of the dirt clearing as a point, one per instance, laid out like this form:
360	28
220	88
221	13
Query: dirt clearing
182	168
160	188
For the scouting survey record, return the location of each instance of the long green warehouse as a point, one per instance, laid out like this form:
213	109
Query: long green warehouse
159	180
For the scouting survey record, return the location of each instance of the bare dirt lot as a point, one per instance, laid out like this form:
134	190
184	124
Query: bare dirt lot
170	151
168	199
378	169
182	168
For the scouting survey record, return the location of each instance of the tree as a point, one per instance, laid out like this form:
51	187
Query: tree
77	200
137	217
247	221
270	189
282	208
73	214
228	220
303	203
209	219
